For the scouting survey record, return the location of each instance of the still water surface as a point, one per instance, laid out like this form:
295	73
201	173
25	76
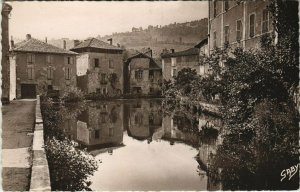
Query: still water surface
151	145
140	147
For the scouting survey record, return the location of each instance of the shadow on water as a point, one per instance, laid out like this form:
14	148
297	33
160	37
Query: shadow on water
127	134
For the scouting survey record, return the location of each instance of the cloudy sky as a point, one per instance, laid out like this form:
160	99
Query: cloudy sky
87	19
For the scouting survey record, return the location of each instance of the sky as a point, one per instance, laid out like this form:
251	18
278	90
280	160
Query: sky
79	20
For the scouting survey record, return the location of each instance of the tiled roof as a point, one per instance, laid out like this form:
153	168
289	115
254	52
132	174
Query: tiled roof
34	45
201	43
191	51
96	43
153	63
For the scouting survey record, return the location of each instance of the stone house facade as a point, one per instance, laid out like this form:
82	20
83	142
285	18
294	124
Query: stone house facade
176	61
99	67
238	23
101	125
6	9
143	75
144	118
41	67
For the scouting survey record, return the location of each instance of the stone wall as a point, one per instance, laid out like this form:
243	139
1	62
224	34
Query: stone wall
6	9
148	85
87	61
59	65
241	11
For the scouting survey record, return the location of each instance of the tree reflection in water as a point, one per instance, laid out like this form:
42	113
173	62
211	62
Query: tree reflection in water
254	157
248	156
69	166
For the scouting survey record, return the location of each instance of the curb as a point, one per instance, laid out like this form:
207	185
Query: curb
40	177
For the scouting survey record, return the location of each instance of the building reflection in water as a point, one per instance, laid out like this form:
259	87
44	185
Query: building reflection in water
101	126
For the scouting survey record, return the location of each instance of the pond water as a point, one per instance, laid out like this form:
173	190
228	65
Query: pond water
149	145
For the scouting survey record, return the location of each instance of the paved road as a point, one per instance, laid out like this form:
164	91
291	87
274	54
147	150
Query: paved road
17	127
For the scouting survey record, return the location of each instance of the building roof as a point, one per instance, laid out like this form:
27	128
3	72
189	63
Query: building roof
96	43
153	62
202	43
191	51
34	45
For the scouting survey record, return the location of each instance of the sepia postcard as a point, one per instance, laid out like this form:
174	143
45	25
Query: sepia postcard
150	95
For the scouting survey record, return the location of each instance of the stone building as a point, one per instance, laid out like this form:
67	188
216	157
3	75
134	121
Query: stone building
203	51
176	61
143	75
144	118
6	9
101	126
41	67
238	23
99	67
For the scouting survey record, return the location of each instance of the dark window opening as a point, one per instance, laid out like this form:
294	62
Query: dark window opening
97	134
252	25
226	5
96	63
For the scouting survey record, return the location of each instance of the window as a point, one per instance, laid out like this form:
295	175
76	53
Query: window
68	73
30	72
97	134
226	5
96	63
215	8
110	64
49	73
104	91
173	72
69	60
265	21
30	58
139	74
103	78
215	40
252	25
226	34
49	59
239	30
151	75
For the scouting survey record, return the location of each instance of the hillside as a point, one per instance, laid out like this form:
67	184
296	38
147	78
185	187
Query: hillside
178	36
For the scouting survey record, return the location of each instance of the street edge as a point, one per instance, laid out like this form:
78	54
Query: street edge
40	176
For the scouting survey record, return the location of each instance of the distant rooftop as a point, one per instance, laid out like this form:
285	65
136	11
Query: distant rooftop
34	45
96	43
191	51
154	63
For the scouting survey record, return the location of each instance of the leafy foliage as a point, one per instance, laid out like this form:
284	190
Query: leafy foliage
72	94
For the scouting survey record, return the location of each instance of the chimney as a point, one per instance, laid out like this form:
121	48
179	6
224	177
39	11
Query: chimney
76	42
149	52
172	50
110	41
64	44
12	43
28	36
45	39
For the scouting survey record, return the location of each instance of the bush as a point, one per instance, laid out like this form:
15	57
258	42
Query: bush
72	94
69	167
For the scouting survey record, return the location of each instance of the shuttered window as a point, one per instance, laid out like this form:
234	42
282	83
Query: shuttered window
265	21
239	30
30	58
30	72
49	73
226	34
68	73
252	25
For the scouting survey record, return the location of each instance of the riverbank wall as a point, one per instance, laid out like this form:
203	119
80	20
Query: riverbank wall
40	177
